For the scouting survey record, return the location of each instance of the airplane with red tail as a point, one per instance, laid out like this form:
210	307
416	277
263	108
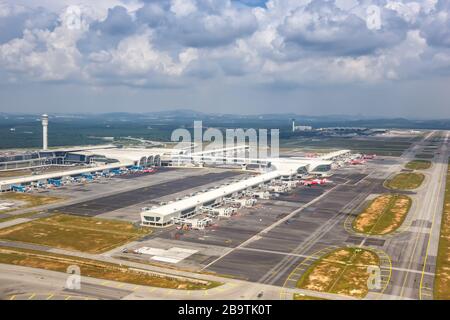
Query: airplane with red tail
314	182
357	162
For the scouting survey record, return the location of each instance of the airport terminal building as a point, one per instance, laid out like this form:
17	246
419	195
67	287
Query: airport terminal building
280	168
164	215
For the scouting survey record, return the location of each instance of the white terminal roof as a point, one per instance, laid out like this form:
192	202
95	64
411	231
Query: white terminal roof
286	166
17	181
81	148
289	166
335	154
126	157
212	195
125	154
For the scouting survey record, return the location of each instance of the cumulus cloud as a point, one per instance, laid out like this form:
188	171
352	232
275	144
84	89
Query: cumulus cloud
278	42
136	57
323	27
14	19
182	8
436	25
45	54
197	23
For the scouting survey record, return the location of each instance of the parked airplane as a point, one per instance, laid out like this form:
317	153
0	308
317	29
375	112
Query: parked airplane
357	162
54	182
313	182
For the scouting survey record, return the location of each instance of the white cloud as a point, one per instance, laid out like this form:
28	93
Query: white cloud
136	57
289	41
183	8
43	54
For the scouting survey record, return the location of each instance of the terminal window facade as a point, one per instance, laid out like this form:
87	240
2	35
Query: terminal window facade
187	212
323	168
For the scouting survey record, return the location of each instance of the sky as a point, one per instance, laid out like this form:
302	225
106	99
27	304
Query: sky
315	57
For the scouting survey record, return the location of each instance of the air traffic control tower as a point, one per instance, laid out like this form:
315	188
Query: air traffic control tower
44	132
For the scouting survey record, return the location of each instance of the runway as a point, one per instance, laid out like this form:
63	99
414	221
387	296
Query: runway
418	249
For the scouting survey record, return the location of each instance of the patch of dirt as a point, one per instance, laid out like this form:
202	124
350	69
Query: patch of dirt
343	271
383	215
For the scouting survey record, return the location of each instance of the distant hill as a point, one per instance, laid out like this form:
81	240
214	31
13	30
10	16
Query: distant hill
187	116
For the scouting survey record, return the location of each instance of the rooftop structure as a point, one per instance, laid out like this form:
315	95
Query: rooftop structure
300	128
122	157
280	168
8	183
335	155
164	215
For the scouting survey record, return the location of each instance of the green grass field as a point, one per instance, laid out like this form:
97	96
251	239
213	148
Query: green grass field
418	165
75	233
405	181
